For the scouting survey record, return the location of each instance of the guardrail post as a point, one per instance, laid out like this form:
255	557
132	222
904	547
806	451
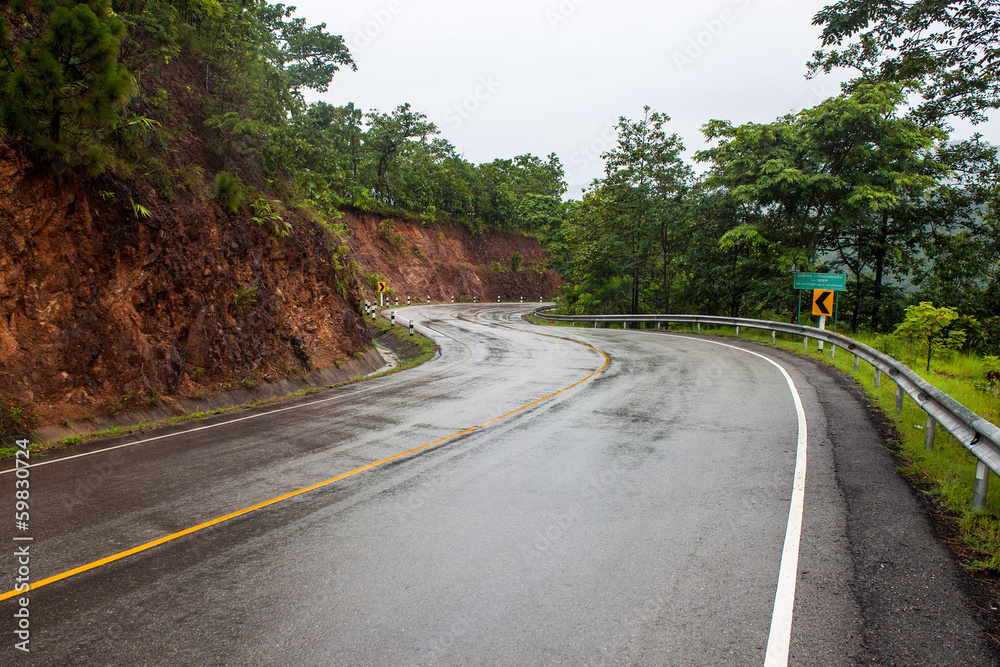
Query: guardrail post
899	398
737	331
878	378
772	338
982	486
856	361
805	343
699	327
929	431
833	349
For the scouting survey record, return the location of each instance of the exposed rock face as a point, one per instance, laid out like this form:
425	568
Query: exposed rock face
100	305
105	309
444	260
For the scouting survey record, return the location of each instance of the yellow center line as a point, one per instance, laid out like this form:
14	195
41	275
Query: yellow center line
201	526
256	415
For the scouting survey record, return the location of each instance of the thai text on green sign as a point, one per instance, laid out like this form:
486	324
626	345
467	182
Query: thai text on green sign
833	281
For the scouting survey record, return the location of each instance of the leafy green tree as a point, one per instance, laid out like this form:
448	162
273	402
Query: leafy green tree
949	48
529	174
599	281
388	136
331	145
306	56
847	176
933	326
644	176
259	62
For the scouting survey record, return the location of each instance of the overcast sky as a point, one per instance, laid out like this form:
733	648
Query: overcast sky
547	76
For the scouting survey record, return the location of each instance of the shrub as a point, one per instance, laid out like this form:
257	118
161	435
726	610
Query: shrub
229	191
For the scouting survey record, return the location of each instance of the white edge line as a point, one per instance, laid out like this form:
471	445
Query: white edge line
254	416
780	635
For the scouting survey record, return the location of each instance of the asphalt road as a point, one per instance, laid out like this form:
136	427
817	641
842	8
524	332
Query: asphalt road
638	517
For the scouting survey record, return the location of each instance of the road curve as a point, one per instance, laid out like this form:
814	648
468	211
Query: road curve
570	497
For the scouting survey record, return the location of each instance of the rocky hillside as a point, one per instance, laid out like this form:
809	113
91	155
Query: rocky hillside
445	260
104	309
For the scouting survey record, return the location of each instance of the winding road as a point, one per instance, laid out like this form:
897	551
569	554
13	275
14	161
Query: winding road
531	496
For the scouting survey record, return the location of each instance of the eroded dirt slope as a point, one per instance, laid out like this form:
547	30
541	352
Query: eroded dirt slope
103	309
447	260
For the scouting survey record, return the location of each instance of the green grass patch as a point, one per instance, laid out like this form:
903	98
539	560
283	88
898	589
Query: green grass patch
427	347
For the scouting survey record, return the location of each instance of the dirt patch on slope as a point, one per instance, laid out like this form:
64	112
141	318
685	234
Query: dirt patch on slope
444	260
103	309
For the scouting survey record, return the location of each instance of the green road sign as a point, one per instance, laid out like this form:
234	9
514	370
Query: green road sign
830	281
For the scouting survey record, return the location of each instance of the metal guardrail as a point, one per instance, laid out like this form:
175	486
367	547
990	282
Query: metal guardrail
976	434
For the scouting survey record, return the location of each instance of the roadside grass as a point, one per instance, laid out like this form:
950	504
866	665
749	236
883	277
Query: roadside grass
427	350
427	347
946	473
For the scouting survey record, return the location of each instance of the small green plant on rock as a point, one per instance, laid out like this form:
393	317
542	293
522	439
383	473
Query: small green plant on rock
140	211
264	213
14	419
229	191
119	405
245	298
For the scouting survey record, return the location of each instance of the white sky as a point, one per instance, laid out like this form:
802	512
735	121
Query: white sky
540	76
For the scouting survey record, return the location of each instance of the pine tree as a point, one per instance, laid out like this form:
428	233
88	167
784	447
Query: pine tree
62	90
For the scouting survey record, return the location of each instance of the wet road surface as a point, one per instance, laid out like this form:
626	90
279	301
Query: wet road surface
637	517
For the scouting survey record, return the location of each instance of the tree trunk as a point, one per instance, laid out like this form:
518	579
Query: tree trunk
877	288
879	267
666	292
55	124
856	311
635	294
